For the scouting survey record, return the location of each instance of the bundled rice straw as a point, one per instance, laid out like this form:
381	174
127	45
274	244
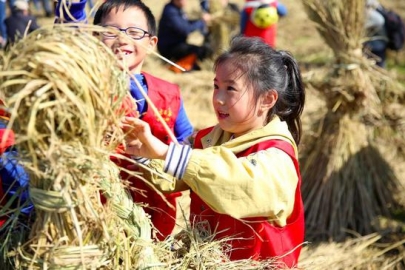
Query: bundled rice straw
64	90
347	181
222	25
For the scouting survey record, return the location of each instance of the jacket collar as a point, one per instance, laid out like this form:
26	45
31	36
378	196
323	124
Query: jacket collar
275	129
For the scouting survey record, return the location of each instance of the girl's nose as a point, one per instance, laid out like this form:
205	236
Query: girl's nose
219	99
220	102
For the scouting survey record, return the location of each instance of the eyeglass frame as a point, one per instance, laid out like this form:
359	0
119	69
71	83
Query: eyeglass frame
124	30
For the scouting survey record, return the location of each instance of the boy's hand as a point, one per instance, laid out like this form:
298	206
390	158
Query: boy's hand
140	141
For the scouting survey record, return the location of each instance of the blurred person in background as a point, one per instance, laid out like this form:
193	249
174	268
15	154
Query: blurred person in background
20	21
174	29
377	39
259	19
3	28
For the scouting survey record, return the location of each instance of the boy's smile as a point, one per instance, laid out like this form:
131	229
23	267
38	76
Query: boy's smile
122	53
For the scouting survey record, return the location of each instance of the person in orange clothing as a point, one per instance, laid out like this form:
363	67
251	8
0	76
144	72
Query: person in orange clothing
250	28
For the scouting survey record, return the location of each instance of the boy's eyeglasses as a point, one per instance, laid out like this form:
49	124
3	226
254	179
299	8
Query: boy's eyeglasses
132	32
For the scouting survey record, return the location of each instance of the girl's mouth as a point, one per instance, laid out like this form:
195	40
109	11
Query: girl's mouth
222	115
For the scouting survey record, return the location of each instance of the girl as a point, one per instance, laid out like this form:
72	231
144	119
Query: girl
243	173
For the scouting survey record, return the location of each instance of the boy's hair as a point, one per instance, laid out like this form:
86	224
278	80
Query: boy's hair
110	5
266	69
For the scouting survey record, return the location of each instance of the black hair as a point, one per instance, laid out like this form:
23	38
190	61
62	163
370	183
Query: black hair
109	5
267	69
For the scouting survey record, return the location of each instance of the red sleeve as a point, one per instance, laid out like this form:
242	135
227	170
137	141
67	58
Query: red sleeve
6	139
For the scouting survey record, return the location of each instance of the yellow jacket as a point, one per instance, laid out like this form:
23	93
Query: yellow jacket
261	184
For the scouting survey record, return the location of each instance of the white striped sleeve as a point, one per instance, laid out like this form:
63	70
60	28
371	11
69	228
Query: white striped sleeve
177	159
142	160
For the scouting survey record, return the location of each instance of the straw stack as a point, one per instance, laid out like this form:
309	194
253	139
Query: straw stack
64	90
348	181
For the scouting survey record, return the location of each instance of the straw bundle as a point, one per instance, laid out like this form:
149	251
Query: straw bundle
64	90
347	181
222	25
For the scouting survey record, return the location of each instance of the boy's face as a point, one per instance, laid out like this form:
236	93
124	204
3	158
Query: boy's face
131	52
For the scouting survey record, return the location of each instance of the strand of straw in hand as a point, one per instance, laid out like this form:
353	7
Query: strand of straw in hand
153	107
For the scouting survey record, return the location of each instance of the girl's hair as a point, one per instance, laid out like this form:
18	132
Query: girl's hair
110	5
266	69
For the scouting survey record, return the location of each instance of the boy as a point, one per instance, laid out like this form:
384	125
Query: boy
133	33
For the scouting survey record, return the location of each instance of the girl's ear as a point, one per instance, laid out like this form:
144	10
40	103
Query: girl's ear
268	100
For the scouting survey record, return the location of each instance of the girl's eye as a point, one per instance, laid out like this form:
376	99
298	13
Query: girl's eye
215	86
231	88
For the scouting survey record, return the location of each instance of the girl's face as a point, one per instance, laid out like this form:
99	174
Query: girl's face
236	109
131	52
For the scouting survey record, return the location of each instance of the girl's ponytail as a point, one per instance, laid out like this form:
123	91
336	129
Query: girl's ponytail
294	97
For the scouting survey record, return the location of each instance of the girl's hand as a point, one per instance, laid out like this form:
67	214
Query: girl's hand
140	141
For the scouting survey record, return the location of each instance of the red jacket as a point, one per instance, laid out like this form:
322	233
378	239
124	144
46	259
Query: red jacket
267	34
166	97
256	237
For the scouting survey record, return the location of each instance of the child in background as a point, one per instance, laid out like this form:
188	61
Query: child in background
20	21
133	33
377	41
249	27
243	173
174	30
13	178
